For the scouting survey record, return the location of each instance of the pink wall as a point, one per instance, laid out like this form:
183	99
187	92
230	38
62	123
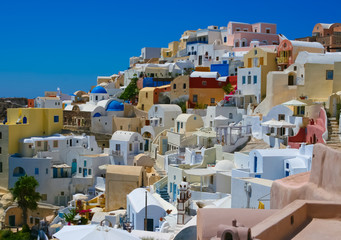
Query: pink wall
312	134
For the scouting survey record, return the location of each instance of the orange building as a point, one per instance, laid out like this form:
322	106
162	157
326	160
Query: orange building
205	89
149	96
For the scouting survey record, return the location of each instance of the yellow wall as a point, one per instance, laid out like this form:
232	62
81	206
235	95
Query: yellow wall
40	122
267	62
205	95
171	51
315	85
146	98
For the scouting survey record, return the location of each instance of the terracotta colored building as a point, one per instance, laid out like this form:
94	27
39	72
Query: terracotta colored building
287	51
329	35
205	89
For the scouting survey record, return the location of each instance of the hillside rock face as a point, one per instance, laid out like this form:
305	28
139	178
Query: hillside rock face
10	103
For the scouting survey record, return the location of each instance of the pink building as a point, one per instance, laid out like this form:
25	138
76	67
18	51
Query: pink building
242	34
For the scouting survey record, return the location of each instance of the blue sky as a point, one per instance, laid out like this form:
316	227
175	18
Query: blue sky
67	44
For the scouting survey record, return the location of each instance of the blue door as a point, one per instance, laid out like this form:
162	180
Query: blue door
74	166
55	172
174	192
85	172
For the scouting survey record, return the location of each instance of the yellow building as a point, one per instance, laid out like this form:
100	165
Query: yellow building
252	78
171	51
149	96
184	37
313	76
23	123
121	180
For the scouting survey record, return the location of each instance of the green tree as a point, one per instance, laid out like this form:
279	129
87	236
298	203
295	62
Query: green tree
228	88
131	90
24	192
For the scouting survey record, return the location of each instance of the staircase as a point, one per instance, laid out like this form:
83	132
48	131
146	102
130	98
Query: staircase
164	193
333	131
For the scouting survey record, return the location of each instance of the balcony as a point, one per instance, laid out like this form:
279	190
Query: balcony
282	60
195	42
116	153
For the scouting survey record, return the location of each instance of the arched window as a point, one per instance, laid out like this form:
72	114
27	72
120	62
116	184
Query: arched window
18	172
225	39
174	86
96	98
24	120
184	86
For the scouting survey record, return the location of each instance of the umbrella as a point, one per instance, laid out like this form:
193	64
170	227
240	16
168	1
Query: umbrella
90	232
295	103
278	124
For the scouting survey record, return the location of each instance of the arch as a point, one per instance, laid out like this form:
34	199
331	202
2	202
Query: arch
291	79
243	42
19	172
97	115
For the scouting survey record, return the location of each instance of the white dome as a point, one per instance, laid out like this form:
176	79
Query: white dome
224	165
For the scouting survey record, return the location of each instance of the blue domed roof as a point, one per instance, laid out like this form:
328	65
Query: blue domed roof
115	106
99	89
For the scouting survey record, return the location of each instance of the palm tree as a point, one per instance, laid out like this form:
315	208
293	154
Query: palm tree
24	192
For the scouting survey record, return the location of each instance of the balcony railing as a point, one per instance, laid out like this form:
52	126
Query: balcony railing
116	153
282	60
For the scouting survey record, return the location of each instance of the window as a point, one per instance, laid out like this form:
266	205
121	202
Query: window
36	171
55	143
96	98
118	147
130	147
174	86
230	116
0	150
287	165
329	74
244	79
31	220
84	163
212	100
44	197
0	135
141	146
195	98
184	86
47	171
89	171
56	119
182	125
255	79
225	39
0	167
62	193
248	79
146	95
80	170
268	30
295	68
217	58
204	83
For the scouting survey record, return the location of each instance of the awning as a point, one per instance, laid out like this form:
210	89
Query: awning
295	103
278	124
61	166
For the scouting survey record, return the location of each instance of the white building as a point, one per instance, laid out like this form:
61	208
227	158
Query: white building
48	102
230	112
124	145
249	81
102	122
136	206
274	163
62	165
